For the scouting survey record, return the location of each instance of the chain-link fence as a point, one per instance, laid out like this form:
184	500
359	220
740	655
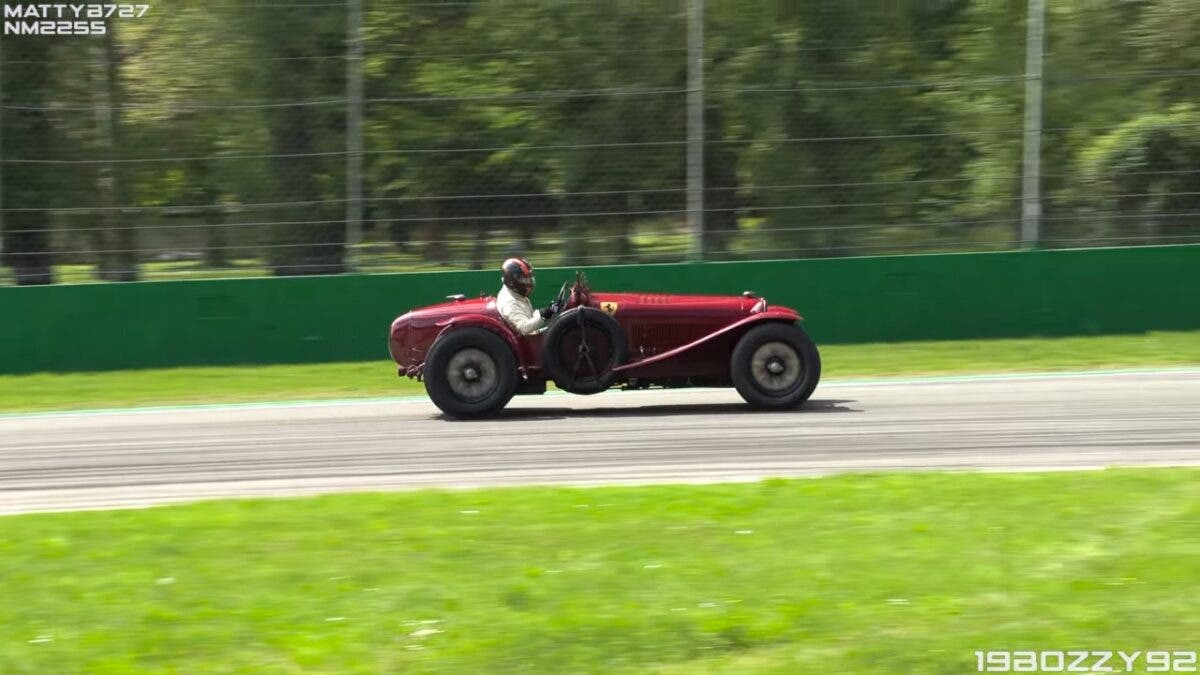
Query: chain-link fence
260	138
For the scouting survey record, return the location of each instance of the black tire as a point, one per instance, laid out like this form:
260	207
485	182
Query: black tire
470	372
775	366
590	372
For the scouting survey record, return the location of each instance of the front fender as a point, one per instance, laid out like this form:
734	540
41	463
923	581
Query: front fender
771	314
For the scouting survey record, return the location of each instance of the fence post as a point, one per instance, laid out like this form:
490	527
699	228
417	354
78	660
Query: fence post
695	129
354	131
1031	188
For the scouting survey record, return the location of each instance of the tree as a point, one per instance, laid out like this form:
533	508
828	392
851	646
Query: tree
27	135
1146	169
113	238
306	132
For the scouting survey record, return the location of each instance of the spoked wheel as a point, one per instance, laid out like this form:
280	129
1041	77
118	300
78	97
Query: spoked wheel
470	372
581	350
775	366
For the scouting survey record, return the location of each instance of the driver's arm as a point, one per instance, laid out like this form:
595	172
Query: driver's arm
522	317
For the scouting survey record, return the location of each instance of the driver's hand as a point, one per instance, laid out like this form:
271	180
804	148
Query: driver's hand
549	312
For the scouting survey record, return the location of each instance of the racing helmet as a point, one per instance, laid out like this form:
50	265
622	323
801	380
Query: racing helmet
517	274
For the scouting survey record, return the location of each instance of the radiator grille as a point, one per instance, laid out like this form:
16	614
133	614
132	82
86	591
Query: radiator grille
664	336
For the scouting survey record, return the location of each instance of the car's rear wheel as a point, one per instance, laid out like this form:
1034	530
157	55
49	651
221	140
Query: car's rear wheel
470	372
775	366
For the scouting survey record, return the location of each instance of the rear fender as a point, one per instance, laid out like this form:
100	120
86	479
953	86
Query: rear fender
520	348
779	314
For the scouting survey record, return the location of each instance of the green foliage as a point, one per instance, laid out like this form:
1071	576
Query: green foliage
1152	150
1144	173
832	128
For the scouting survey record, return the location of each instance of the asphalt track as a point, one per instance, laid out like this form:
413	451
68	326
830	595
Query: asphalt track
139	458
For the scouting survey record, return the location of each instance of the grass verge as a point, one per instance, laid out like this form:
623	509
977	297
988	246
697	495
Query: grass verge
376	379
899	573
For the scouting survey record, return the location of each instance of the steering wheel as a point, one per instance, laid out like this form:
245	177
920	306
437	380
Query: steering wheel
564	294
573	293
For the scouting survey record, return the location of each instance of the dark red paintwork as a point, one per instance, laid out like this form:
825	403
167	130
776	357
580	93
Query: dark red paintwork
673	339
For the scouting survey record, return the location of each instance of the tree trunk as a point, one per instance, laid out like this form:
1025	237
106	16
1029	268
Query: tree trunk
577	248
126	238
26	134
433	233
116	244
216	240
622	241
216	237
480	246
301	247
721	183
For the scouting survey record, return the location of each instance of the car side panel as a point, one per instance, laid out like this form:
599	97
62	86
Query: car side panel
657	323
708	361
708	354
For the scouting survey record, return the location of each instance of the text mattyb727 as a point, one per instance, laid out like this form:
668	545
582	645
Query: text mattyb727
66	18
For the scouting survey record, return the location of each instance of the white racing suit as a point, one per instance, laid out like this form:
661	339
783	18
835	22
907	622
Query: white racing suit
518	312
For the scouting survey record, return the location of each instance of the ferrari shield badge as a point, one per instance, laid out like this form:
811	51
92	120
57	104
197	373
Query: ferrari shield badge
608	307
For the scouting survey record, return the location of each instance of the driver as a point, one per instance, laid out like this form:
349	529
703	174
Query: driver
513	300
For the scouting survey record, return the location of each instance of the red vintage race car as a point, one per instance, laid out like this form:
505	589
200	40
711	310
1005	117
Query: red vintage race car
473	363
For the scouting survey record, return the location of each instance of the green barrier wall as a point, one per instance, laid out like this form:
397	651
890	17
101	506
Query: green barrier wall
845	300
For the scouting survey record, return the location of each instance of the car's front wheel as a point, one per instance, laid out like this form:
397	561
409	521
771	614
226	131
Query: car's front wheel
775	366
470	372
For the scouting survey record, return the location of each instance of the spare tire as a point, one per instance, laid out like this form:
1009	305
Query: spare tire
582	348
